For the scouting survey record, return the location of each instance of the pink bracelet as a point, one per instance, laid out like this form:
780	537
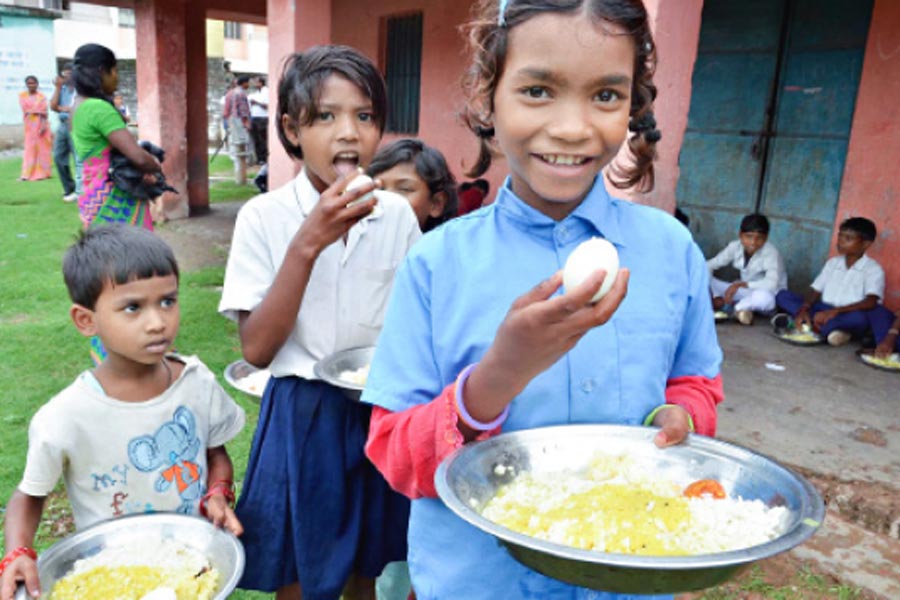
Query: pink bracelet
461	406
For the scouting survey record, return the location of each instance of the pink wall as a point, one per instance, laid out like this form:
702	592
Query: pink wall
871	184
676	30
443	63
292	26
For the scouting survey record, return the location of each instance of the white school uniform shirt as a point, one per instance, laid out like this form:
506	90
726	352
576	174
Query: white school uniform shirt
349	285
764	271
841	286
257	111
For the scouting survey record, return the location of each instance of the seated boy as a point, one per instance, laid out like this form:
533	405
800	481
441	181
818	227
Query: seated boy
850	285
762	271
142	432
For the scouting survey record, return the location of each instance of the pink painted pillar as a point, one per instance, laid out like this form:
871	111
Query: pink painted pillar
871	184
676	31
293	25
162	89
197	110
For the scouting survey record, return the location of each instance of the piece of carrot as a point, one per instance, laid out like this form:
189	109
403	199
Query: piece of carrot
705	487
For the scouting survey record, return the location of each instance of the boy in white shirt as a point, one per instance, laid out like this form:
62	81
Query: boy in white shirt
849	286
761	267
142	432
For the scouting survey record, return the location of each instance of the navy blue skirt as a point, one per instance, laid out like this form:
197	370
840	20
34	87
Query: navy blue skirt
314	509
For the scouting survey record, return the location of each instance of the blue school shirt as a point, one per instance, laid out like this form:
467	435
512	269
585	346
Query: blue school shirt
451	294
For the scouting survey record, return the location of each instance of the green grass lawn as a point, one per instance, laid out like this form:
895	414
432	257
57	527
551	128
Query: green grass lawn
42	352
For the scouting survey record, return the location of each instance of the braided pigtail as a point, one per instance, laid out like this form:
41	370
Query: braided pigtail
642	127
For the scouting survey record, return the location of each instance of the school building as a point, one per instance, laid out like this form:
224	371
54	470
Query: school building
788	107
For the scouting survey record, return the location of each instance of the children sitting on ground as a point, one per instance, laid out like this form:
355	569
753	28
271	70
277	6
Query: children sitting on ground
144	431
848	288
762	271
419	173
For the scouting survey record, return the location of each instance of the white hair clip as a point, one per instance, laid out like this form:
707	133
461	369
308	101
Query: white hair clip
501	18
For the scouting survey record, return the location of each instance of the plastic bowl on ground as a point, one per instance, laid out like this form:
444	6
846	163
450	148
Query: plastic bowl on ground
223	550
472	475
334	369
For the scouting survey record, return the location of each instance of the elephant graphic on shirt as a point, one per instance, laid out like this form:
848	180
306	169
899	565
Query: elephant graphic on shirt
172	451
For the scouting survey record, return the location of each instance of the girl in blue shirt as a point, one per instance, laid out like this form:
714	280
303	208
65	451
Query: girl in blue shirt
470	349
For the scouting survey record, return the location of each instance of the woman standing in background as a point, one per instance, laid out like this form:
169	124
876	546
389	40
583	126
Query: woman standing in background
38	139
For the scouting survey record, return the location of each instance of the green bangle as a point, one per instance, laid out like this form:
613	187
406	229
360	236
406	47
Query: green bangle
649	420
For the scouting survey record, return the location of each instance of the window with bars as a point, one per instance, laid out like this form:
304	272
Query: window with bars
232	30
403	70
126	18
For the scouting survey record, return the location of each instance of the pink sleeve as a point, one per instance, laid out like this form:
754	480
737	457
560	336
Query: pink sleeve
699	396
408	446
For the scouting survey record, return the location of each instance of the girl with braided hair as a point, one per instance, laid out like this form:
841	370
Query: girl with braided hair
473	348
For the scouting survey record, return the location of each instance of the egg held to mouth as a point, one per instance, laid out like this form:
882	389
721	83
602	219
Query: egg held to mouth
359	181
591	255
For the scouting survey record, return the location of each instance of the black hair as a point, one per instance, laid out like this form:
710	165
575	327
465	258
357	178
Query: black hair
261	80
430	165
27	77
484	185
756	223
67	66
301	84
683	217
118	253
91	62
243	79
488	34
861	226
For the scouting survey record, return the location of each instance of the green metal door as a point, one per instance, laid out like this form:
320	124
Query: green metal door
774	89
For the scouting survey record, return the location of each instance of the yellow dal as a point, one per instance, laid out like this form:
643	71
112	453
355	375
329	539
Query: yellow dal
134	582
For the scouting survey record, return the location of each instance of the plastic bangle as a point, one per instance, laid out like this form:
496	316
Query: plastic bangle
223	487
649	420
461	405
893	331
14	554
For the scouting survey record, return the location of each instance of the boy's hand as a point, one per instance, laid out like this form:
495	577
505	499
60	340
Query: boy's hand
222	515
802	318
19	570
884	349
732	290
823	316
332	218
539	328
676	424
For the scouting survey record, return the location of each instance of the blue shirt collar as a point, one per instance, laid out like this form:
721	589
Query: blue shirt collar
597	212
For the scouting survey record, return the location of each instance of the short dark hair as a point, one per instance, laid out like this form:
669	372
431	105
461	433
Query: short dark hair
301	83
67	66
119	253
243	79
430	165
861	226
27	77
483	184
755	222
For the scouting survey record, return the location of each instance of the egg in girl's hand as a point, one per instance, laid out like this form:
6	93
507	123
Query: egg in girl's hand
591	255
359	181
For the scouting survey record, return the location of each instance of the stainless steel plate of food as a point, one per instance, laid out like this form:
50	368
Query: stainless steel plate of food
160	555
246	378
478	482
347	369
889	363
799	338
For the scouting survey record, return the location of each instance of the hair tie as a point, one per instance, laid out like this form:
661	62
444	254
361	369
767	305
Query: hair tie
484	132
501	17
645	122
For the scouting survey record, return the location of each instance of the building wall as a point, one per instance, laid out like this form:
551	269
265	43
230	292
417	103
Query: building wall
26	48
871	184
442	67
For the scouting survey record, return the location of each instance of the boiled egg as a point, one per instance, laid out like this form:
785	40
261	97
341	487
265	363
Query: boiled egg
359	181
591	255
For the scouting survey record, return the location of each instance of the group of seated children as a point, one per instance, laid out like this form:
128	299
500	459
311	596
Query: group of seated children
843	302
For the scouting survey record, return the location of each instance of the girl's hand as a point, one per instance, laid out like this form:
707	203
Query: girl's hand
539	329
331	218
19	570
675	423
222	515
